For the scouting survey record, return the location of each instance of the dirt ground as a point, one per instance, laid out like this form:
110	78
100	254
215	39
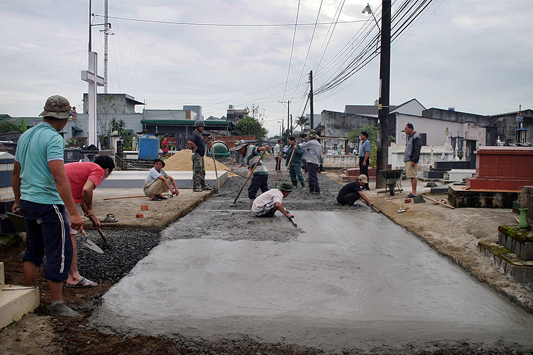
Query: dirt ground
452	233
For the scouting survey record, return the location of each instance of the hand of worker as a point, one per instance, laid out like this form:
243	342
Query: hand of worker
76	222
413	163
16	208
90	214
249	174
364	163
175	192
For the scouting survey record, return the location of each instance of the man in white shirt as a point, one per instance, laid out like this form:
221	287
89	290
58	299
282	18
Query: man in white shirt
271	201
277	151
158	181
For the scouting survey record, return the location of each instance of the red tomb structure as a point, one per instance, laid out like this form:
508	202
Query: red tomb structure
502	169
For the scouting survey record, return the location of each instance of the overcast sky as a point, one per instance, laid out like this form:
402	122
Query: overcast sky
474	55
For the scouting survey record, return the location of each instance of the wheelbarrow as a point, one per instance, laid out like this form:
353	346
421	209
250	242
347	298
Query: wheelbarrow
392	179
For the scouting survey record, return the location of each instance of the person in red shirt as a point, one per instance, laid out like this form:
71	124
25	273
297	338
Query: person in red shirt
164	144
84	177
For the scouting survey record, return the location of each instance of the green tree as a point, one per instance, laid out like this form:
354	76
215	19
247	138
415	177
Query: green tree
120	127
23	126
8	127
250	126
302	121
372	131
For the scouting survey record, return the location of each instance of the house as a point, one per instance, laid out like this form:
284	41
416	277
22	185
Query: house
515	127
234	115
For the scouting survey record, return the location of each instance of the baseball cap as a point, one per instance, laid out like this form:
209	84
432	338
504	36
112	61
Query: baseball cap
363	178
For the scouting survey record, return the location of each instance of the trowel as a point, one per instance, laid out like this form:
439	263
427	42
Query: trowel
90	244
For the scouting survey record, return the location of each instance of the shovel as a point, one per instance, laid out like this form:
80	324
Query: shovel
104	238
90	244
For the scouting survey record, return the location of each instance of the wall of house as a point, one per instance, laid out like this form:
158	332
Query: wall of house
437	131
339	124
110	104
412	107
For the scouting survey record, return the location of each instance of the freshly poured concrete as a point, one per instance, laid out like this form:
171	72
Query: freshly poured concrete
341	280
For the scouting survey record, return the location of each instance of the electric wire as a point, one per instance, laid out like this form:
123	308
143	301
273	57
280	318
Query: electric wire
309	47
225	24
292	48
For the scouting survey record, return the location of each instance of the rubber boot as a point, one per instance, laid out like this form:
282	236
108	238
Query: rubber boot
303	183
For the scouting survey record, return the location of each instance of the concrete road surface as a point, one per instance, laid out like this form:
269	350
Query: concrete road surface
341	280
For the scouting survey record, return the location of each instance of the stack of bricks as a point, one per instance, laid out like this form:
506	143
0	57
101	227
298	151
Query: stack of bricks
353	173
502	169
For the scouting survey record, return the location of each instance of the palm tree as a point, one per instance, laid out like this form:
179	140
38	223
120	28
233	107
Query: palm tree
302	121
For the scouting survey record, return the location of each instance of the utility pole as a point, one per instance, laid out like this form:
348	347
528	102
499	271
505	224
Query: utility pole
384	93
288	110
107	26
311	121
291	124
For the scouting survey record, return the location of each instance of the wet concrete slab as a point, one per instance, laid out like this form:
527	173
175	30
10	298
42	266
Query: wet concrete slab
340	280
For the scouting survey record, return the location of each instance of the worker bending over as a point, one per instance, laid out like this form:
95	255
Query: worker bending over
271	201
352	191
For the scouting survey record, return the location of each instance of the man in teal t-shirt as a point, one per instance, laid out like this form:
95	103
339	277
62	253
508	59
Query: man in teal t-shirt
42	195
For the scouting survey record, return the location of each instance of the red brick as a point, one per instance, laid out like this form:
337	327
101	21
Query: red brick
523	172
492	184
478	184
484	170
506	185
353	172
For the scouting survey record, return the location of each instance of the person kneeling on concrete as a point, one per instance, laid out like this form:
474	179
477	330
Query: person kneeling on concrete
271	201
158	181
351	192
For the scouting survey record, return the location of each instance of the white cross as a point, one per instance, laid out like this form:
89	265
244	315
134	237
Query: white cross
91	76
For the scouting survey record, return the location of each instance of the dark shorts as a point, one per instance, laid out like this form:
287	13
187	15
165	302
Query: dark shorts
47	233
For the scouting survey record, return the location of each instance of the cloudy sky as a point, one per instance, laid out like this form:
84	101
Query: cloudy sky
474	55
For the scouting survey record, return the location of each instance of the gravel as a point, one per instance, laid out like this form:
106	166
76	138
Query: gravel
125	248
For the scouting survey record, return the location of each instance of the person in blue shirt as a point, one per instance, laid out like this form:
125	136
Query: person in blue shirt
43	195
364	157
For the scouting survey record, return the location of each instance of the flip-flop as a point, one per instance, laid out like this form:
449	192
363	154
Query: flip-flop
83	283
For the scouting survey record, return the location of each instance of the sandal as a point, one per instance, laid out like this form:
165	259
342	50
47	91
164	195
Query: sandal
83	283
155	199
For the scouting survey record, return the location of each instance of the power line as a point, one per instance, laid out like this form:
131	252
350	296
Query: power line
225	24
292	48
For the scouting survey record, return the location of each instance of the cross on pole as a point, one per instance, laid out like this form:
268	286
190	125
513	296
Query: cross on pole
91	76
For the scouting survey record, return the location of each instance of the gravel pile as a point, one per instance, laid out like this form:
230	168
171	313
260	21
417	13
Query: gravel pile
125	248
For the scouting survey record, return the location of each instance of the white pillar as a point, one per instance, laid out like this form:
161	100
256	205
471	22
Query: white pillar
91	76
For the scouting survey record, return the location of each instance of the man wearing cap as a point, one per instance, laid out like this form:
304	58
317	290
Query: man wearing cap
196	143
42	194
158	181
412	156
252	157
352	191
294	160
271	201
314	159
